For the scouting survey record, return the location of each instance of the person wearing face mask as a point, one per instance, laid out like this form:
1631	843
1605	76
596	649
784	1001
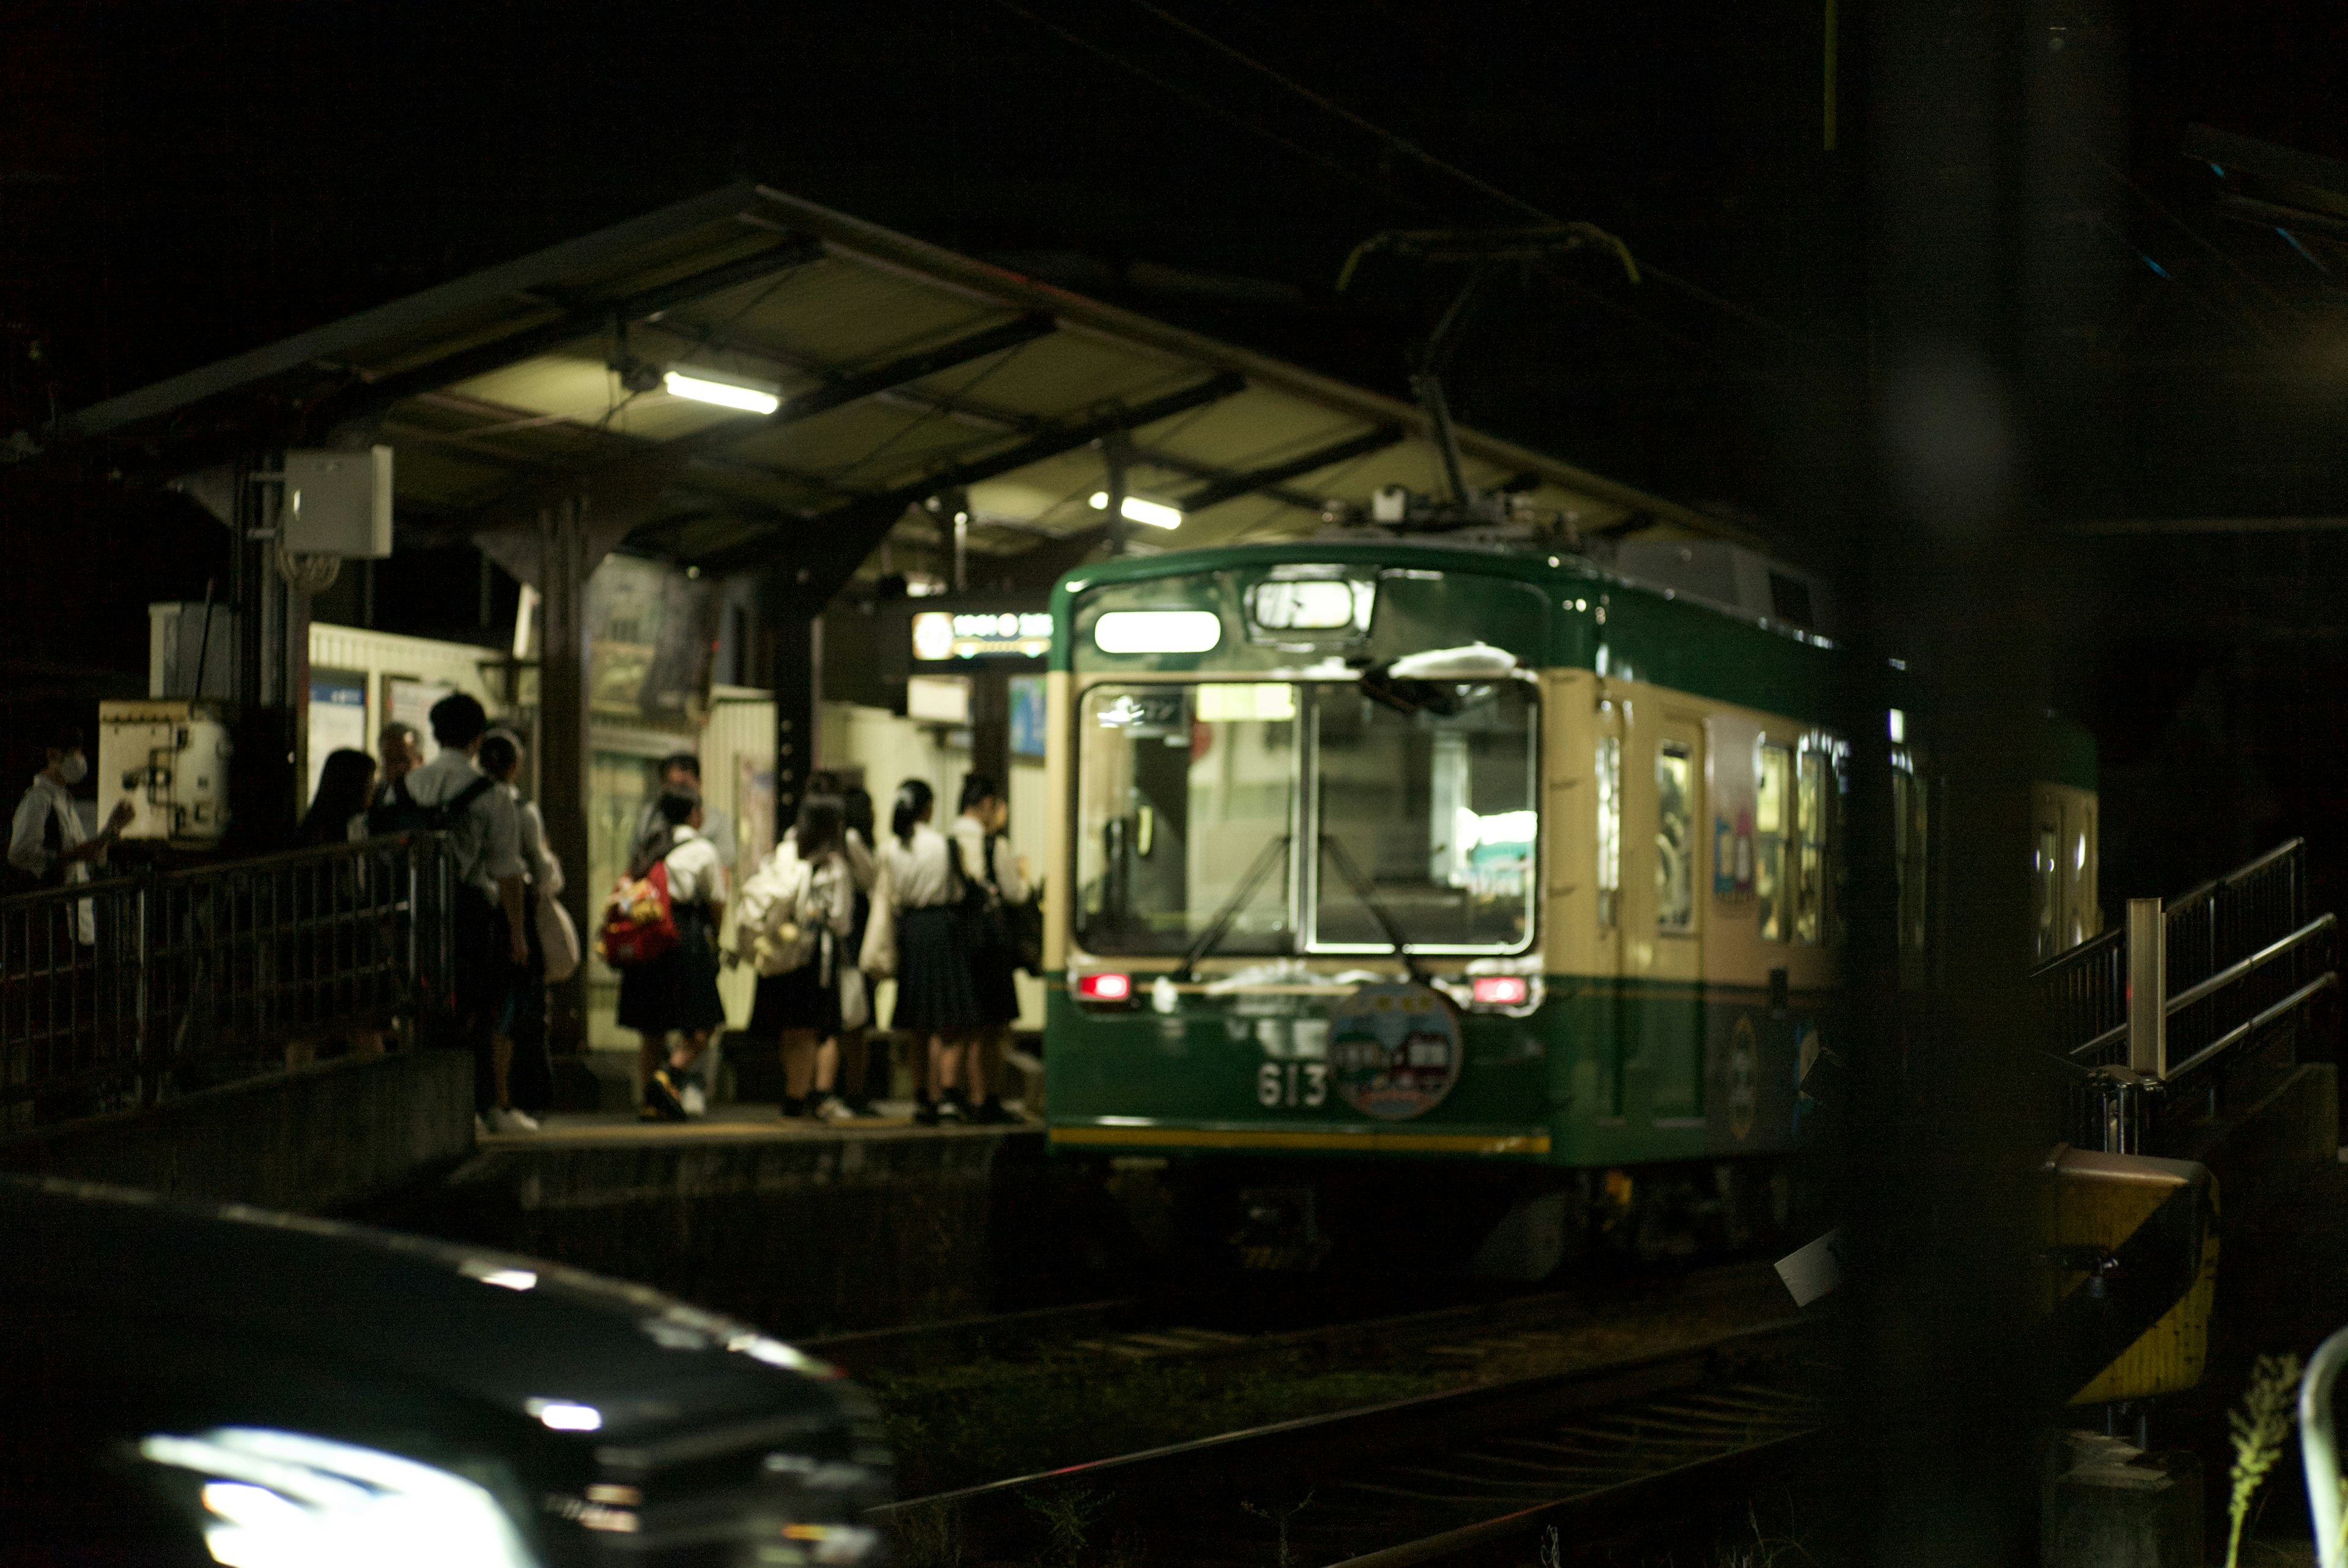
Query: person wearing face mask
47	845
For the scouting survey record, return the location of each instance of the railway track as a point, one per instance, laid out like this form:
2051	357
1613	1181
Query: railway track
1130	1329
1478	1473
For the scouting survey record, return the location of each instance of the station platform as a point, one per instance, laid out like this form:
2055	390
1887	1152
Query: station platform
801	1226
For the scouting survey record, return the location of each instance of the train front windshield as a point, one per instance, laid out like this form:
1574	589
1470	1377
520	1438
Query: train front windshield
1320	817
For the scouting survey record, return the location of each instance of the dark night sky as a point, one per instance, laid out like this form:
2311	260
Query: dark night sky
182	180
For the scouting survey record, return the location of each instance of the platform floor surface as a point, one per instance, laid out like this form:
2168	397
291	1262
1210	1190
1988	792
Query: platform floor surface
746	1121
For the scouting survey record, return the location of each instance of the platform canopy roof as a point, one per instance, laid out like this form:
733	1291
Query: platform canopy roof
905	372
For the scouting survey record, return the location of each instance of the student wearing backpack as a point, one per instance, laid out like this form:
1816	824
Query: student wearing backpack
676	992
797	910
451	795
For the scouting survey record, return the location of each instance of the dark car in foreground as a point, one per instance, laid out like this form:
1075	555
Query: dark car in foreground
193	1383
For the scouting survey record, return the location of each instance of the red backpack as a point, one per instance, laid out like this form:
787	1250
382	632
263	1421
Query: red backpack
639	922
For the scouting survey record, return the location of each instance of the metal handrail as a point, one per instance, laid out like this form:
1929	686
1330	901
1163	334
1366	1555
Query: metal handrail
2243	1031
2232	972
2216	885
117	993
2104	1042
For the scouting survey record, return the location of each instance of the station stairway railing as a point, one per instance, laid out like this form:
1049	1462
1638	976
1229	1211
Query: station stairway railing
2154	1017
117	994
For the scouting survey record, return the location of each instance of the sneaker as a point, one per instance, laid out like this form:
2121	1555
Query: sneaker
950	1111
834	1109
508	1120
480	1127
793	1108
990	1113
694	1100
860	1109
925	1111
660	1098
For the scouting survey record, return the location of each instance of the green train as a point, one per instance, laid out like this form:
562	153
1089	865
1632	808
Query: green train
1474	857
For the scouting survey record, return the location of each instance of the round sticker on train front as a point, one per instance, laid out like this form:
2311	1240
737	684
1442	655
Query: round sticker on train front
1394	1050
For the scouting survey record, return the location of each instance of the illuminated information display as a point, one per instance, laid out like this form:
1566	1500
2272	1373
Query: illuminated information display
939	635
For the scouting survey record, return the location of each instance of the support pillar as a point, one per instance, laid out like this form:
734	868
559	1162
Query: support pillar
562	743
797	681
2147	995
990	726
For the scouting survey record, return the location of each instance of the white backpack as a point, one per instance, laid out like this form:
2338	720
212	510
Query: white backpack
781	919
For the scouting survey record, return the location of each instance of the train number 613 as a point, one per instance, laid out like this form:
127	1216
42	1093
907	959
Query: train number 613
1287	1083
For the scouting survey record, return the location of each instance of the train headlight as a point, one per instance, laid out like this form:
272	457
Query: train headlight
1110	987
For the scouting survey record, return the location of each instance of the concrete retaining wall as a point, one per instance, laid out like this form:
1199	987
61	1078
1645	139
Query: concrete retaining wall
324	1138
797	1233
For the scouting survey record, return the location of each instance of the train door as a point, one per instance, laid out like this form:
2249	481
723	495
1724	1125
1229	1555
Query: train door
1668	1006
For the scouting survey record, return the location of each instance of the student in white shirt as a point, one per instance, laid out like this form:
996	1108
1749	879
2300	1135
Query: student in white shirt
918	890
524	1073
796	910
678	992
47	844
484	843
982	854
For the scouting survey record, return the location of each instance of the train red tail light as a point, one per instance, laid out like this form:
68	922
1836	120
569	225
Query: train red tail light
1107	987
1500	990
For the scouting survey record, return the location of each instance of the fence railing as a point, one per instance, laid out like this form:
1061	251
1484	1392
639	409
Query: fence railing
118	993
2181	987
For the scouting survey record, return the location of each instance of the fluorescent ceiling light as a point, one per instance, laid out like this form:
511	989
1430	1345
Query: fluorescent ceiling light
1155	513
700	386
1158	631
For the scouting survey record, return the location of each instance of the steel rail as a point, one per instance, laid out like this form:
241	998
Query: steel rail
1231	1462
1592	1511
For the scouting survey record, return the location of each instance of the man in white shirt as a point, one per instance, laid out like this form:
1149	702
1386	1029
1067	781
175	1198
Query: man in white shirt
681	772
47	844
484	841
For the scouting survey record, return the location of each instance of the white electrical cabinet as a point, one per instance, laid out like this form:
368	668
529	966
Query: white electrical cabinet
170	759
337	503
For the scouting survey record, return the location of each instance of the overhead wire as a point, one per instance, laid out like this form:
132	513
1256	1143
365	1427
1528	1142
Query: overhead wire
1352	175
1412	149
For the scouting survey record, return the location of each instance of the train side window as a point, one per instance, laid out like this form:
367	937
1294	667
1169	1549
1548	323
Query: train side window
1770	789
1609	773
1675	838
1809	871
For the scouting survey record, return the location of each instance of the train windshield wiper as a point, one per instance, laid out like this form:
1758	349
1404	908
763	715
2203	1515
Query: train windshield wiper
1377	906
1222	922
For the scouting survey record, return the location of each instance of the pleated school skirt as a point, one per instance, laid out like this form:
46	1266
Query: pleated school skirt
934	988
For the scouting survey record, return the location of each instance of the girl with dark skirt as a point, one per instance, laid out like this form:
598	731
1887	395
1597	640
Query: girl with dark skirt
918	890
796	912
842	1064
676	993
982	854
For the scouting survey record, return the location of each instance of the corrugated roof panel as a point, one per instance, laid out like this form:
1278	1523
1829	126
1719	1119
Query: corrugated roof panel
1067	374
871	445
840	314
583	389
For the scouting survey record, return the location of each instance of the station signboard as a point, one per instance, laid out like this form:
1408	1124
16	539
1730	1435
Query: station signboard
939	636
